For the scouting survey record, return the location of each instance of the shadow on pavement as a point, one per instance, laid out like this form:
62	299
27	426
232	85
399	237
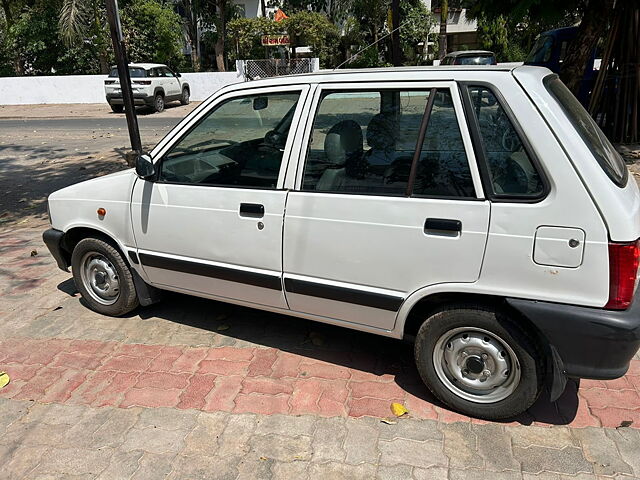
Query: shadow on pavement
336	345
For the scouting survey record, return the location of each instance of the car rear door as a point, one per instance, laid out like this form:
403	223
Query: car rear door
386	199
211	223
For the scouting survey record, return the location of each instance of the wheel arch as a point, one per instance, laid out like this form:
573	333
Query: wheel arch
158	90
73	236
418	307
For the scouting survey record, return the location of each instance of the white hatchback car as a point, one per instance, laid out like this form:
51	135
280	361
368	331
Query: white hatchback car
153	85
478	210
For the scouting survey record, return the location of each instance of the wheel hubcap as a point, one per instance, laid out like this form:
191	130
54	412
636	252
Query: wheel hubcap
100	278
476	365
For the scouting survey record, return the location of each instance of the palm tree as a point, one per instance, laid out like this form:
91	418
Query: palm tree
80	19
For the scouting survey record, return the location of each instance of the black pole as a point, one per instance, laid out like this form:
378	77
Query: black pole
125	80
396	52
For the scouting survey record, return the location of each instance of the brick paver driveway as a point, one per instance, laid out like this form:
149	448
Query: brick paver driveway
198	389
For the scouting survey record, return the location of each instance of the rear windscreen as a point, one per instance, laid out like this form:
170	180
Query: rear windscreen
607	156
133	72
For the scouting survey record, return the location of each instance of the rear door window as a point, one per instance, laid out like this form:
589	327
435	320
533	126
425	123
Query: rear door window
365	142
604	153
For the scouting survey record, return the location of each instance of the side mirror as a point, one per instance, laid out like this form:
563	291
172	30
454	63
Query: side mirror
144	166
178	74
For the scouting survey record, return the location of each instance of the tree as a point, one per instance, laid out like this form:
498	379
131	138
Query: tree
305	29
85	21
595	15
444	14
153	32
417	26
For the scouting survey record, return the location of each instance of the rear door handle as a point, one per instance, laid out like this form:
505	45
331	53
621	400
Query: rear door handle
251	210
442	225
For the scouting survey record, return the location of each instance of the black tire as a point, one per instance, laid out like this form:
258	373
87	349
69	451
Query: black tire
158	103
126	299
523	345
184	98
117	108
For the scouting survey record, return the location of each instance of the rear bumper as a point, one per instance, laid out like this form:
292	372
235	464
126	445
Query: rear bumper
591	342
138	99
53	240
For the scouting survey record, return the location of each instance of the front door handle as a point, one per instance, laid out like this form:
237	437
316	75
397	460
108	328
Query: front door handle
442	225
254	210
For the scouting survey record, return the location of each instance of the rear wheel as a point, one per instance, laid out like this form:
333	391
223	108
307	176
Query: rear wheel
158	103
478	361
103	277
184	99
117	108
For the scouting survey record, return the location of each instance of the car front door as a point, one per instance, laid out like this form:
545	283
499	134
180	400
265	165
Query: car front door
173	84
211	223
387	201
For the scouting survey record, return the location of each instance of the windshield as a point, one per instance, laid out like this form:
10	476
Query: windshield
134	72
541	51
600	146
477	60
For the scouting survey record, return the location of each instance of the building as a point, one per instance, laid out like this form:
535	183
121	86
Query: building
462	32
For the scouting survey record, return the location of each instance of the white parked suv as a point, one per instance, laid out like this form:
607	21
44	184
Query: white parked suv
479	211
153	85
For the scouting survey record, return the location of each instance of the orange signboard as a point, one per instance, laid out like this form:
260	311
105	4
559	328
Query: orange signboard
275	40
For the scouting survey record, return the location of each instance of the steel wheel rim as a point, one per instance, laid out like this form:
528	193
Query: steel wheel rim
476	365
100	278
159	103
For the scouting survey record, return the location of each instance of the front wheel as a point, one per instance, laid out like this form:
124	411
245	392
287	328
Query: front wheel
479	362
117	108
103	278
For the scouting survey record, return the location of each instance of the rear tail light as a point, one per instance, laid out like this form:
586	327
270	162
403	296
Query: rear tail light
623	274
142	82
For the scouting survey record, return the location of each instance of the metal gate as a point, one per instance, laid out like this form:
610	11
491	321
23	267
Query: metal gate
273	67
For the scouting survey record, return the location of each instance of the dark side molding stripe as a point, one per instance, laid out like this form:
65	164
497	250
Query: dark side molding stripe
263	280
341	294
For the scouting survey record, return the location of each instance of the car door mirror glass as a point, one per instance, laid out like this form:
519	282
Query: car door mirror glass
144	166
260	103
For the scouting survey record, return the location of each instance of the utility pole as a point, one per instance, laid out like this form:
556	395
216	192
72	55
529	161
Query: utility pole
396	52
125	80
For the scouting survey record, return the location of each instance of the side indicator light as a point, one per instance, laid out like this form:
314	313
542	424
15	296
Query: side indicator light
102	212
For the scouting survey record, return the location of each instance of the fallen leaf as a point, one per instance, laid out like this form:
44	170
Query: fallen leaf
625	424
389	421
263	458
34	253
4	379
398	409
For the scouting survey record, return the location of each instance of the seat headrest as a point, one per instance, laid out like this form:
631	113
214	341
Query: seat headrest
344	140
382	132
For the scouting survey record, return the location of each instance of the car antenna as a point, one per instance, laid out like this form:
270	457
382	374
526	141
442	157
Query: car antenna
371	44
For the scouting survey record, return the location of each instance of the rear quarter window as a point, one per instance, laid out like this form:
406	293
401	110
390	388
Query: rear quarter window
605	154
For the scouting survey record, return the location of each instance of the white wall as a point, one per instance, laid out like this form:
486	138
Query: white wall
90	88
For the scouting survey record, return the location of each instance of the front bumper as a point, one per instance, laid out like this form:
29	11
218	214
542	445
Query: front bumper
590	342
53	240
138	99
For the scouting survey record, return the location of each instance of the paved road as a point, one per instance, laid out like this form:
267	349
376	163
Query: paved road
39	155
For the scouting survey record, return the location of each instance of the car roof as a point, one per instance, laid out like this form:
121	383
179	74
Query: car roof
464	53
146	66
388	74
